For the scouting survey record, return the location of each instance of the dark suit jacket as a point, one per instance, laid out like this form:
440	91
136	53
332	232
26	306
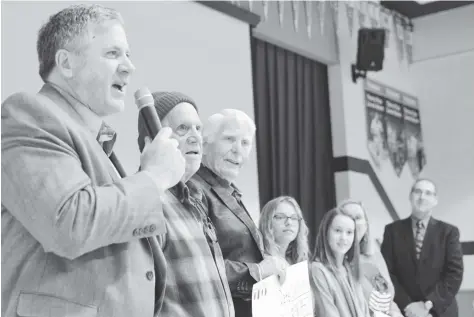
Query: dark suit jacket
436	276
238	236
71	228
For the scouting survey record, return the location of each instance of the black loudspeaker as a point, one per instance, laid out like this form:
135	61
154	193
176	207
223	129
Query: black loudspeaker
370	52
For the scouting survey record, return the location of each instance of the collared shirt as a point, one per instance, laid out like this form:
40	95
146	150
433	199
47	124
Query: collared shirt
196	282
90	119
93	123
424	221
226	185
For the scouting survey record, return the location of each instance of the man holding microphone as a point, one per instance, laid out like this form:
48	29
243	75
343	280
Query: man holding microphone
75	236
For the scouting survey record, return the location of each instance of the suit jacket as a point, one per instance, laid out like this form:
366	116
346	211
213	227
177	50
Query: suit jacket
73	233
436	276
238	236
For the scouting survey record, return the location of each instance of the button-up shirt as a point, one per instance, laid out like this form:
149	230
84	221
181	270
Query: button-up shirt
196	282
414	221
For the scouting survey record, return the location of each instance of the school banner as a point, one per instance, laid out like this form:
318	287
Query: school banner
393	128
376	141
416	159
290	299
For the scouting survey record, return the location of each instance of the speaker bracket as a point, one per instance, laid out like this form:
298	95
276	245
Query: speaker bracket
357	73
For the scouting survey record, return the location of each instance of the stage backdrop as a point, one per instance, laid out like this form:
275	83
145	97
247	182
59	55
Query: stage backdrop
180	46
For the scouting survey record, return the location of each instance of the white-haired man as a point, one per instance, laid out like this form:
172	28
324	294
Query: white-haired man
227	142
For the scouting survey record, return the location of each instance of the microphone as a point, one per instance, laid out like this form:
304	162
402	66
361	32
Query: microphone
146	109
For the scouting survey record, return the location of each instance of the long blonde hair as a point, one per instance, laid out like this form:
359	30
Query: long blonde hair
298	249
323	252
366	243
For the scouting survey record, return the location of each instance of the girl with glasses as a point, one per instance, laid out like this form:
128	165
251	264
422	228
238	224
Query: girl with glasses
284	231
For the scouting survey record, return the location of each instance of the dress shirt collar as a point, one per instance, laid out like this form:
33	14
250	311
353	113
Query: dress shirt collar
425	222
207	172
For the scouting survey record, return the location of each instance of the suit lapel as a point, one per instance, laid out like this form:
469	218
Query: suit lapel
428	239
410	240
49	92
239	210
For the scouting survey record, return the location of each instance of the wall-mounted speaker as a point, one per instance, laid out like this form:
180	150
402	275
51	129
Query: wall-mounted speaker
370	52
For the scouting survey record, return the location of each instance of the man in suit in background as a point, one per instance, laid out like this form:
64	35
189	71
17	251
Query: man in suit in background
424	258
228	138
75	236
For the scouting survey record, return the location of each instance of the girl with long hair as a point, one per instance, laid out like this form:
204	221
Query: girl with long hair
335	268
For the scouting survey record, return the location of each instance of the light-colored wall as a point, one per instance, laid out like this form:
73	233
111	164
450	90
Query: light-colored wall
180	46
442	79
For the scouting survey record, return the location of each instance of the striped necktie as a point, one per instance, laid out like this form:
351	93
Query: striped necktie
420	234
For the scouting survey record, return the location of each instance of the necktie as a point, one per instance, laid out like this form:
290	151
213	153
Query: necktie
106	138
237	195
420	234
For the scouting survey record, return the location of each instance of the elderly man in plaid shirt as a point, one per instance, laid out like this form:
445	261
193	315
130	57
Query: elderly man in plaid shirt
194	283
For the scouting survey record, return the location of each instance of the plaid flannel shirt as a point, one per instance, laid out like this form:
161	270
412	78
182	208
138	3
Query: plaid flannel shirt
196	282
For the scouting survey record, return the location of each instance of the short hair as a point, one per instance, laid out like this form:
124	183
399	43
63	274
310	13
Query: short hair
214	123
419	180
298	249
366	245
323	252
65	29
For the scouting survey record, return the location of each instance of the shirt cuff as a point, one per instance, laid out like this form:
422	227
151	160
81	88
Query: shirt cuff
255	271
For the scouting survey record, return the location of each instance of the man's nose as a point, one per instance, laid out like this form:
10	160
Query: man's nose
126	66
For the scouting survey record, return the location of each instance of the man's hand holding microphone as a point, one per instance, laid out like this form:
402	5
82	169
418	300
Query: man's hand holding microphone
160	159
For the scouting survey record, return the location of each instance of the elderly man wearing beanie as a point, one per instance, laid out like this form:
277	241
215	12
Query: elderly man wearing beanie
195	283
228	137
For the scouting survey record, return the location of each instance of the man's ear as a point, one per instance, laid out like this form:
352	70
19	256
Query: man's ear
435	201
65	62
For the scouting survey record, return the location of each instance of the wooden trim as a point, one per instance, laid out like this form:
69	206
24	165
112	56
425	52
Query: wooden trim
353	164
234	11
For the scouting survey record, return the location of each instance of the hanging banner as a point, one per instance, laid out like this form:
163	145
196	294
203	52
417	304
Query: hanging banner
309	16
399	36
362	13
350	16
416	158
321	9
375	114
373	14
295	11
386	19
265	4
409	41
393	129
335	15
292	298
281	11
395	137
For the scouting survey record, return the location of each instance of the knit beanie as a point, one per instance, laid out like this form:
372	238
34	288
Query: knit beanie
164	102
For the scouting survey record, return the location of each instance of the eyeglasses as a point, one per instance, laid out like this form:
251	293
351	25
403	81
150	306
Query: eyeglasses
426	192
284	218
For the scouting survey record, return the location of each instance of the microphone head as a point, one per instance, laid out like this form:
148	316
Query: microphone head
143	98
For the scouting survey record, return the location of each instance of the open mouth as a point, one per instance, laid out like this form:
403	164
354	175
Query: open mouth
192	153
119	87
